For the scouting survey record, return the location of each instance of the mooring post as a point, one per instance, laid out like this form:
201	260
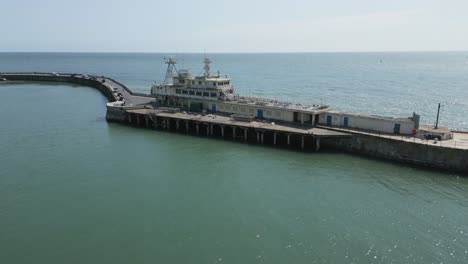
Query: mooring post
245	134
302	142
234	132
317	144
198	129
274	138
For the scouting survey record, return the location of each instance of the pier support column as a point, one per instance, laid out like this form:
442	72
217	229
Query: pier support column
222	131
147	121
317	144
302	142
262	136
198	129
289	139
274	138
245	134
168	124
186	126
302	118
234	133
138	119
258	136
207	130
211	129
177	124
130	118
155	120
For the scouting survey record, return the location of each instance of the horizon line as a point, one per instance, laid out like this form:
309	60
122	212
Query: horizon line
235	52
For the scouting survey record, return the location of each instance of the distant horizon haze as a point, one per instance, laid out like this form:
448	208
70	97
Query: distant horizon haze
244	26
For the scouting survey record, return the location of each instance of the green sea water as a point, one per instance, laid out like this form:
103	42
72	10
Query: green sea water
76	189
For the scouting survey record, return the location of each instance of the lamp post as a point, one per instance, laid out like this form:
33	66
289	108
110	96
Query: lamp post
437	120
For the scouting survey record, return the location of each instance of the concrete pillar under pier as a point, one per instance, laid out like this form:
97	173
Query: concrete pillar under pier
302	142
129	118
274	138
168	124
186	126
211	129
222	131
147	120
207	130
317	144
198	129
233	132
245	134
262	136
138	119
258	136
289	139
155	120
177	124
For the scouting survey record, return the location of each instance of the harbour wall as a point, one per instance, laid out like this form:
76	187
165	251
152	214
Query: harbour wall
78	79
426	155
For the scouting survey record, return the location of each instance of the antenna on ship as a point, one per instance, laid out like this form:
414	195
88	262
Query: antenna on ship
171	62
206	68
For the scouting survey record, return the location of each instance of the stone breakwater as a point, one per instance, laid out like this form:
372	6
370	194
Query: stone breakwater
139	110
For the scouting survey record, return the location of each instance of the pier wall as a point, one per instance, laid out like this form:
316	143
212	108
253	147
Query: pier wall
71	78
427	155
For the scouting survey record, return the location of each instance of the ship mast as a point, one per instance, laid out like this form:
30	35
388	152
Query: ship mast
171	62
206	68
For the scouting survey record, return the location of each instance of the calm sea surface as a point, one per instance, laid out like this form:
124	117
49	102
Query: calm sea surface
75	189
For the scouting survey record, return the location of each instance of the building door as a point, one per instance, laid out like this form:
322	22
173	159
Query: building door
213	108
260	113
396	129
329	120
346	121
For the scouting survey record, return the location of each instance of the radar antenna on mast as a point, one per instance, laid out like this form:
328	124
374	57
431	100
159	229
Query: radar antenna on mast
171	62
206	68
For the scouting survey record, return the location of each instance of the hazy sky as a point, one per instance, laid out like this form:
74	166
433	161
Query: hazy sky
233	26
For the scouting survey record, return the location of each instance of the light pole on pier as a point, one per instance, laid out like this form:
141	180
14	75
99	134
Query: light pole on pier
437	120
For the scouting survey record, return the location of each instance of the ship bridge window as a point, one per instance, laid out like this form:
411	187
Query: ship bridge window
213	95
199	82
177	91
184	92
193	82
214	84
206	94
191	92
181	81
199	93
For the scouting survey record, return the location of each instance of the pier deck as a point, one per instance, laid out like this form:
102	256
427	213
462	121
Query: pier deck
227	121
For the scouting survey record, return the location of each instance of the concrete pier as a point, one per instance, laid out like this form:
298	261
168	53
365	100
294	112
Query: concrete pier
138	110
